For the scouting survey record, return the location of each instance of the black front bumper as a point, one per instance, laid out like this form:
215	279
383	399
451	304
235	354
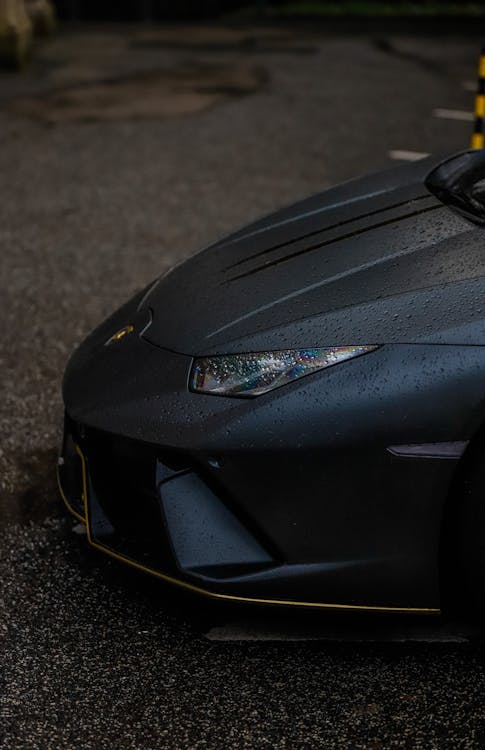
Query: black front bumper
152	506
156	510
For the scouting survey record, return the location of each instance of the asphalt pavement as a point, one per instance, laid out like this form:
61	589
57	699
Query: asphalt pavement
124	150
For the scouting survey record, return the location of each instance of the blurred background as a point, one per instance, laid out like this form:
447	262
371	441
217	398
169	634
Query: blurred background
151	10
21	20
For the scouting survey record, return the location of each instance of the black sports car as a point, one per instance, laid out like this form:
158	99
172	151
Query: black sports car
296	414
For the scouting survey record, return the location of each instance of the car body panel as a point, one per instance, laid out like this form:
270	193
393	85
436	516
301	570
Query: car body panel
304	491
393	269
306	467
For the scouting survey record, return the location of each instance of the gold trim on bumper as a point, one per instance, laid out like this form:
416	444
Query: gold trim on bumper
226	597
66	501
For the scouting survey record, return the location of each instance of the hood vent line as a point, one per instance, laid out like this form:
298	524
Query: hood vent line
349	235
338	224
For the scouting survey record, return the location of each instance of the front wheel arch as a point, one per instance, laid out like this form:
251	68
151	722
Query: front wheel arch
456	585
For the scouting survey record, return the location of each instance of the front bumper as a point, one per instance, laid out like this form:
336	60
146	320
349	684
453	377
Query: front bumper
292	497
155	510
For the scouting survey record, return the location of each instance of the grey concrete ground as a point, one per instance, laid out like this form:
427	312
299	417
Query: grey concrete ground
98	195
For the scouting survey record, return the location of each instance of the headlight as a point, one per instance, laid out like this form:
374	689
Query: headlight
253	374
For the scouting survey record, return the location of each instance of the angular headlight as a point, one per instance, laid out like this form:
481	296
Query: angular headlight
253	374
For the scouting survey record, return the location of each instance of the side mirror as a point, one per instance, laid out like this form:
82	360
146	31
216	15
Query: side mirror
459	182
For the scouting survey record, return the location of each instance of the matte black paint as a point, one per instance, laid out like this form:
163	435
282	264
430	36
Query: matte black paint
305	470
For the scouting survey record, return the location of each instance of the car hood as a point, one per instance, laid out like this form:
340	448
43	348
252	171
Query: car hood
376	260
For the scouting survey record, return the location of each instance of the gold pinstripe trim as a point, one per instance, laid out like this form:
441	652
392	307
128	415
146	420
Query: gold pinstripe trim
66	501
231	597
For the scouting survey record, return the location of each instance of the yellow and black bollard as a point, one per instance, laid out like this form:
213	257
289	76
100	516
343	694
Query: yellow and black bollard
478	138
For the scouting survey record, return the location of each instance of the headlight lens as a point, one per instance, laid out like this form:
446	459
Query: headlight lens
247	375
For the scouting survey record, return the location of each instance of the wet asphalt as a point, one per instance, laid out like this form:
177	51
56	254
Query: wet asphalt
94	655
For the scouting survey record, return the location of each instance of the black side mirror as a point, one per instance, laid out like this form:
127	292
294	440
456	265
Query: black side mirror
459	182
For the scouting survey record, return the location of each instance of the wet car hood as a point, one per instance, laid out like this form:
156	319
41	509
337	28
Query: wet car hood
376	260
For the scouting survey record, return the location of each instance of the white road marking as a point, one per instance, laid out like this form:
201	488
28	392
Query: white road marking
454	114
402	155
